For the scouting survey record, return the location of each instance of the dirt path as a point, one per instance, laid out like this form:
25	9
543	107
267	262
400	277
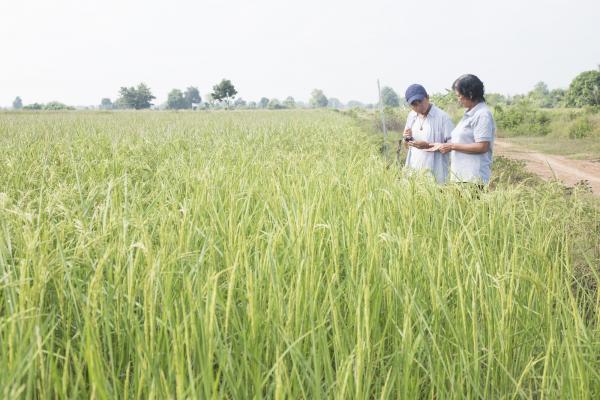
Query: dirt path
551	167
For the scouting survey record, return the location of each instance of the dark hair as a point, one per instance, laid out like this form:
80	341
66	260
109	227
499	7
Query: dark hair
469	86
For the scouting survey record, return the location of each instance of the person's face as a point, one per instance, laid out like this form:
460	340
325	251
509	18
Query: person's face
464	101
420	106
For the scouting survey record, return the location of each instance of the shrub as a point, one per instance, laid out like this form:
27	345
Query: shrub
521	119
580	128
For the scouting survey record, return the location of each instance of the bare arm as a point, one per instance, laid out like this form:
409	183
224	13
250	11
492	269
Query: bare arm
471	148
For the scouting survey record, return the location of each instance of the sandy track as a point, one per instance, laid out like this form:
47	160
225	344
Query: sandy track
551	167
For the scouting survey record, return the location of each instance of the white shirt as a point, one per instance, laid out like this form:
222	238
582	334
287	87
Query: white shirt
477	125
436	127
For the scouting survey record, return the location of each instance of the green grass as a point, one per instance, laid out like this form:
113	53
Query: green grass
273	255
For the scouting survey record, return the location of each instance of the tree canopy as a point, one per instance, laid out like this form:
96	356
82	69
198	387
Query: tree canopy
263	102
389	97
106	104
176	100
318	99
224	91
17	103
289	102
584	90
192	96
138	98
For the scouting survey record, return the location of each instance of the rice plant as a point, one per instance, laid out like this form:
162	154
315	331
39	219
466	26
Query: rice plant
273	255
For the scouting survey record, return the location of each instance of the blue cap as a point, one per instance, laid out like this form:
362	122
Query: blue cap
415	92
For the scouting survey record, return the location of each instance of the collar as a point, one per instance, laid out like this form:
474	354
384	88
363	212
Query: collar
472	111
430	112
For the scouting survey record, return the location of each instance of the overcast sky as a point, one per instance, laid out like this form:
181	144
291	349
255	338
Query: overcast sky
78	51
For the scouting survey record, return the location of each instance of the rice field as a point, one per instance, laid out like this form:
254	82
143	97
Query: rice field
249	255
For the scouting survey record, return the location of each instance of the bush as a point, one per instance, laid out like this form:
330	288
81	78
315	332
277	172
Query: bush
56	106
580	128
521	119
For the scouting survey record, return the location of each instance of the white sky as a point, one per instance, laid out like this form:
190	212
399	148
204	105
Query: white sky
78	51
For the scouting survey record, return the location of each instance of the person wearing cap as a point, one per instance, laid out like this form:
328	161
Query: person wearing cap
426	127
472	141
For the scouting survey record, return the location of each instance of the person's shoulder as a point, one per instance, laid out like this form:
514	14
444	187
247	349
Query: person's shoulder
483	111
439	112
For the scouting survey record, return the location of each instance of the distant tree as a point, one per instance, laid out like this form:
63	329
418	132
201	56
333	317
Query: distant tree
275	104
333	102
252	104
540	95
192	96
208	100
239	103
355	104
17	103
289	102
318	99
55	105
34	106
224	91
263	102
446	100
176	100
557	97
138	98
584	90
389	97
106	104
493	99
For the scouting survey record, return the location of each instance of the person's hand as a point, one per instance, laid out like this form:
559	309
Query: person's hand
419	144
446	148
434	147
407	133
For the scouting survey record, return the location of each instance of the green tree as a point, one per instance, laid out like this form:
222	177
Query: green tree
192	96
34	106
55	105
275	104
17	103
584	90
355	104
176	100
263	102
557	97
491	99
540	95
289	102
390	97
138	98
106	104
224	92
239	103
334	102
318	99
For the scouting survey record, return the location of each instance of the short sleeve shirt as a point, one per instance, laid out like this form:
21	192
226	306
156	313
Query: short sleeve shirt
476	126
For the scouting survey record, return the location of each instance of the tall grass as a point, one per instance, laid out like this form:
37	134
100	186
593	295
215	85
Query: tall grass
272	255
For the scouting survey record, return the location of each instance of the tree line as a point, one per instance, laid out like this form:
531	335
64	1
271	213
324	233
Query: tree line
584	90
